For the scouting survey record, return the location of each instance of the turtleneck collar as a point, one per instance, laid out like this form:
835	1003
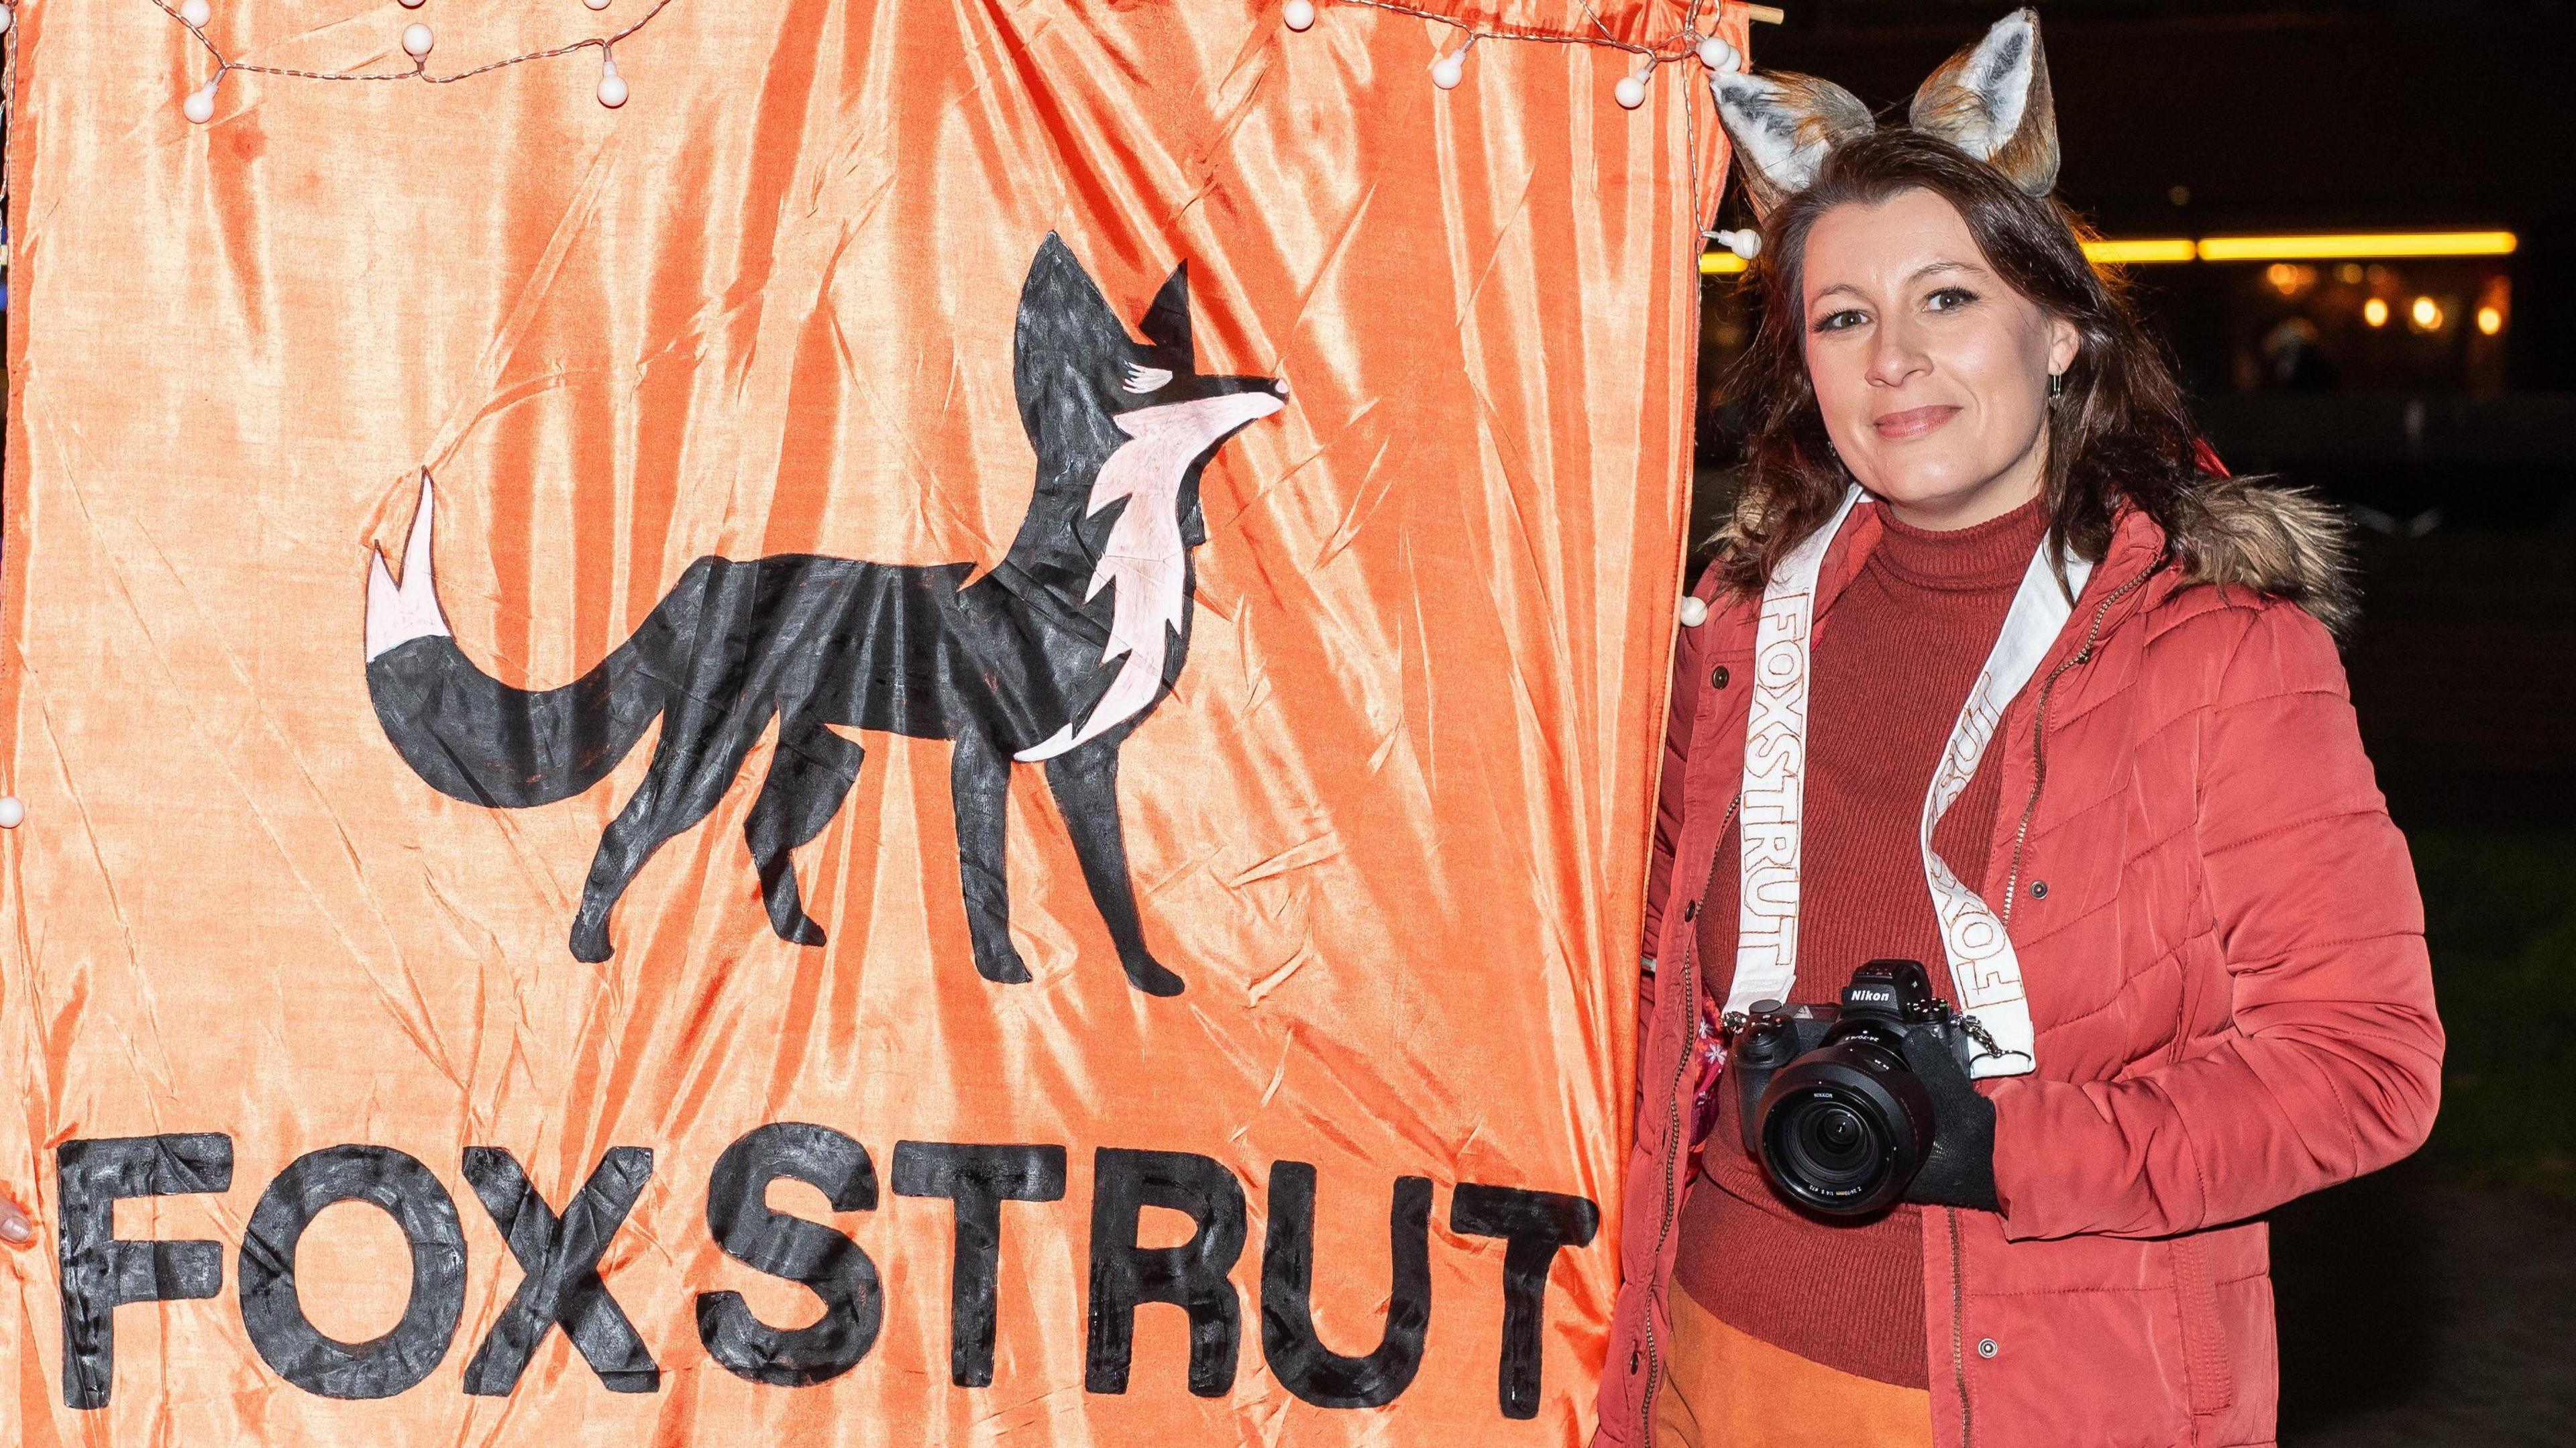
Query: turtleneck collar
1990	555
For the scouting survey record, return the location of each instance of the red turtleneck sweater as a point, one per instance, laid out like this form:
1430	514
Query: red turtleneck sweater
1895	653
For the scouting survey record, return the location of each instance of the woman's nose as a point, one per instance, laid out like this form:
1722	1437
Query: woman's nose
1894	356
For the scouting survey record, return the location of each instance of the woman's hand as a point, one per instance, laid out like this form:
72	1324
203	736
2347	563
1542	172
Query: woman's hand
1960	1169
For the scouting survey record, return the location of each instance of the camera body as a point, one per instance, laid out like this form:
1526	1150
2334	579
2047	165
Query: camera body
1830	1107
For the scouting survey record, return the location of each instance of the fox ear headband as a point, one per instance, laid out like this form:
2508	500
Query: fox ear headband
1990	100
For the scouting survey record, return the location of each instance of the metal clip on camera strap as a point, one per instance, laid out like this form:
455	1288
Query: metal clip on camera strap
1978	1033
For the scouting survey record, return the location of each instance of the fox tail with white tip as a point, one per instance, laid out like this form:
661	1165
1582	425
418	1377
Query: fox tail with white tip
474	738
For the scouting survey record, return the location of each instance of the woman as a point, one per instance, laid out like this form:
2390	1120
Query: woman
2035	698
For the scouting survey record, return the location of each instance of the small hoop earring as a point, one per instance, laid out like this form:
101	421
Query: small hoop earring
2056	385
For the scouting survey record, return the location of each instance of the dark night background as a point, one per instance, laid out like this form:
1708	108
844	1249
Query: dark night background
2434	1303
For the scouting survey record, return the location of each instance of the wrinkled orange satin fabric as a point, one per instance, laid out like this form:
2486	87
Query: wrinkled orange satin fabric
1390	828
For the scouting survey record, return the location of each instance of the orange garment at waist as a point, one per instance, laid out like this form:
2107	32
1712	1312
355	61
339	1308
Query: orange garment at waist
1726	1389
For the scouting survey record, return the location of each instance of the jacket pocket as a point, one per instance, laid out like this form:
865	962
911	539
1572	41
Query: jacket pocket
2071	1342
2081	1369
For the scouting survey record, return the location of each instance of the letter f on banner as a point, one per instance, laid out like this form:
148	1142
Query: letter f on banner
100	1273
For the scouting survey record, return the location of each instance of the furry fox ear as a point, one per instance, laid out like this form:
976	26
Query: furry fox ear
1991	100
1783	125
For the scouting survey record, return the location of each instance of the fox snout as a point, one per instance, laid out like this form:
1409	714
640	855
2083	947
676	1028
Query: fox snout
1201	422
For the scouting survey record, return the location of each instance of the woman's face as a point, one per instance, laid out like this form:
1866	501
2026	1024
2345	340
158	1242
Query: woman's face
1931	373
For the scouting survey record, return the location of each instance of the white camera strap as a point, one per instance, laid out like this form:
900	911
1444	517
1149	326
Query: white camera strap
1985	975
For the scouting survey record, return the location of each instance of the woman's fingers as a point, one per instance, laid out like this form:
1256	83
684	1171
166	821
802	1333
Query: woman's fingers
15	1229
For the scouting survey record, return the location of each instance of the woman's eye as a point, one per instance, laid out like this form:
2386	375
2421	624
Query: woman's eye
1840	321
1949	299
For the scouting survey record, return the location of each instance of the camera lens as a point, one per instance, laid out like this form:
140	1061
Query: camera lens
1845	1127
1828	1145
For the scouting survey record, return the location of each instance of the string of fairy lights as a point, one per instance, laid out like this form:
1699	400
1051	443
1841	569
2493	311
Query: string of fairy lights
1449	69
417	40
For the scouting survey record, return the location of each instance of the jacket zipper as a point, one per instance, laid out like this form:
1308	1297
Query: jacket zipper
1959	1328
1673	1116
2039	735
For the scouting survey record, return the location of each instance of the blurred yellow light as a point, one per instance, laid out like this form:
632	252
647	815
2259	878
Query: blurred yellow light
2425	313
2490	320
2131	252
2386	243
2375	312
2289	278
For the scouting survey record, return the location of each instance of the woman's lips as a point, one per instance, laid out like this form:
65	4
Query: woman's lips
1913	422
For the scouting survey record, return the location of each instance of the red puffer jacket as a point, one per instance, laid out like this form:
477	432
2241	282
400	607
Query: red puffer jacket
2223	947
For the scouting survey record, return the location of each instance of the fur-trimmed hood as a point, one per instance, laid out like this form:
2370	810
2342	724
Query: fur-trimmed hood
2271	538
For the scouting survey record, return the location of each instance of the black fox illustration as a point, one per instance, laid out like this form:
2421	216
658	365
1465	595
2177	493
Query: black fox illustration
1052	657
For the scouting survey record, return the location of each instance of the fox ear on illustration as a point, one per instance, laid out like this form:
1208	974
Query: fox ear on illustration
1167	322
1069	351
1992	101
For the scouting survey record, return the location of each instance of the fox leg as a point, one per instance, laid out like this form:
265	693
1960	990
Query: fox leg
694	763
1085	781
979	782
809	776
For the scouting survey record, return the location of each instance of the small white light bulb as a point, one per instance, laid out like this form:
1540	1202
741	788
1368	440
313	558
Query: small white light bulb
596	4
411	4
612	86
1300	15
1716	54
8	17
1694	611
1746	243
12	813
1630	92
417	40
1450	69
200	104
196	12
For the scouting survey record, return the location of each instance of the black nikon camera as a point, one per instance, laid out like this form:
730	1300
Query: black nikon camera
1831	1108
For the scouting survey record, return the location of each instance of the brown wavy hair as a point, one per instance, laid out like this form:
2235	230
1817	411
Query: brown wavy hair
2119	433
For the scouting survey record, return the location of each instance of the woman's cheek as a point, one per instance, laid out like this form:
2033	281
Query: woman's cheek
2015	389
2017	366
1998	370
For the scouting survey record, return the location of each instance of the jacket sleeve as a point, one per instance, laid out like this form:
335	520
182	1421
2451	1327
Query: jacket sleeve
2332	1065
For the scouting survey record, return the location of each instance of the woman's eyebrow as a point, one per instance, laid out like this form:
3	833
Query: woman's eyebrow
1928	269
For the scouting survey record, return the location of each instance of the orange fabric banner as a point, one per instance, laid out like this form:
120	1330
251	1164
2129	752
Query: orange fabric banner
942	733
